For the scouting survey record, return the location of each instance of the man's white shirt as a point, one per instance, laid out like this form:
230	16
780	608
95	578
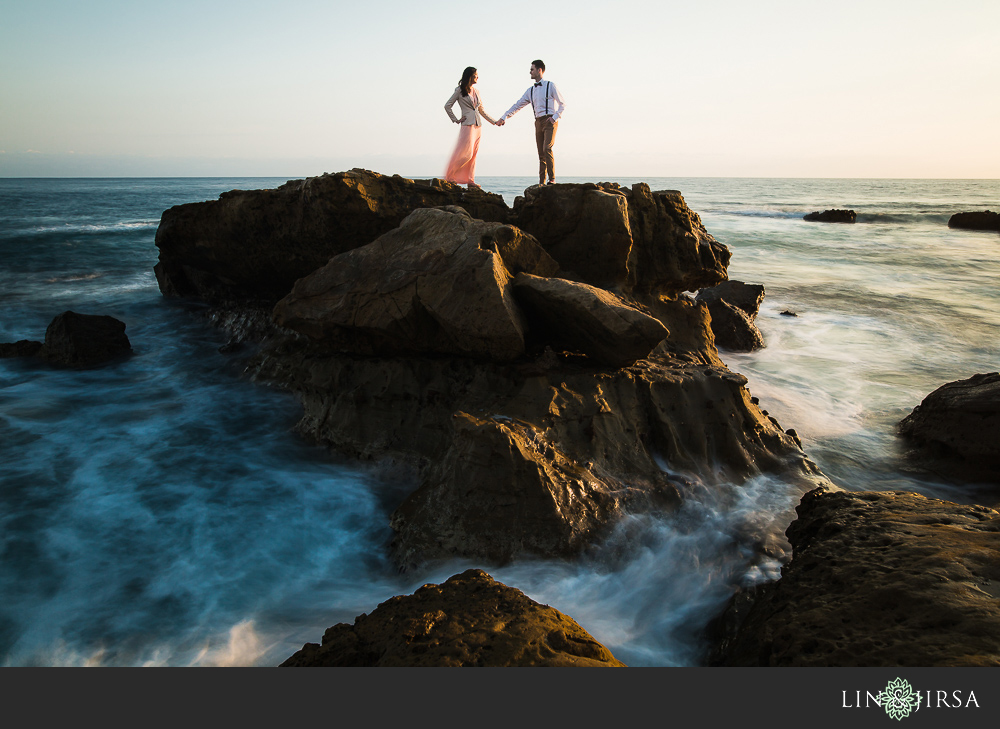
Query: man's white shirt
544	98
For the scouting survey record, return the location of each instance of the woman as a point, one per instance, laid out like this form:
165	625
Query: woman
462	166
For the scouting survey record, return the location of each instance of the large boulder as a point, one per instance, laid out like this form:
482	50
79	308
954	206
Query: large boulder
253	245
986	220
875	579
831	216
587	319
439	283
960	421
84	340
627	241
733	306
469	620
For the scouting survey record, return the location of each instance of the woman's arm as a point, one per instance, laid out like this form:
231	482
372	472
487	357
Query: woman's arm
486	116
450	103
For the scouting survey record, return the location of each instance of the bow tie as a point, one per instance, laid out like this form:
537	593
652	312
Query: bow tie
538	83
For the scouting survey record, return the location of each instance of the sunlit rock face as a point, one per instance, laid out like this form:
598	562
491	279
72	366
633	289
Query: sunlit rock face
469	620
876	579
254	244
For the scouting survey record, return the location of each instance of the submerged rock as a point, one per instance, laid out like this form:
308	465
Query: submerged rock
876	579
960	421
22	348
831	216
75	340
469	620
733	306
986	220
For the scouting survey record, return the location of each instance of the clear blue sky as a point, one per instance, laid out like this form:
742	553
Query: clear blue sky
883	88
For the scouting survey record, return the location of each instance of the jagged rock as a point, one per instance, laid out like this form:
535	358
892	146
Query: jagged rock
876	579
253	245
22	348
469	620
831	216
84	340
987	220
439	283
587	319
497	451
960	421
733	306
627	241
744	296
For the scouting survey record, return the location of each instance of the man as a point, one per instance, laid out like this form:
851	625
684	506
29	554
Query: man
548	106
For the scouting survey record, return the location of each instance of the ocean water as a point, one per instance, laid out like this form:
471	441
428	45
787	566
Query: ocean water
161	511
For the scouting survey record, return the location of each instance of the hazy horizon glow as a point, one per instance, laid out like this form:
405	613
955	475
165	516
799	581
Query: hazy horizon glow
884	88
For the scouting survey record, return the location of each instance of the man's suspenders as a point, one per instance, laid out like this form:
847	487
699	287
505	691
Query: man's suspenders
532	92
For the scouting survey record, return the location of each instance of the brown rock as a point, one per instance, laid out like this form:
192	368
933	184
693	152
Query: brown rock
960	421
877	579
623	240
733	306
84	340
586	319
253	245
744	296
986	220
470	620
439	283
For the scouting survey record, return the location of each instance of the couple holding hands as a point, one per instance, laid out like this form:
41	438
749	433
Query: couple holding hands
546	102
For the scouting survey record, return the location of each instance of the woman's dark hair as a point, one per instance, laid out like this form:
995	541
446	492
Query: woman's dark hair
466	83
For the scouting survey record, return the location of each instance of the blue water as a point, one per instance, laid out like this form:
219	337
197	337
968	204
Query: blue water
161	511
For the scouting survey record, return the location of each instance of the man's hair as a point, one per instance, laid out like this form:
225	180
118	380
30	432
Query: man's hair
539	65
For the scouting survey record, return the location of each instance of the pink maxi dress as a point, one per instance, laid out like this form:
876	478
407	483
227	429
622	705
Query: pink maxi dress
462	165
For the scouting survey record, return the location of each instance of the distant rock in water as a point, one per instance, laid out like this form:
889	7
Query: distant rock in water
831	216
84	340
986	220
75	340
733	306
960	421
875	579
469	620
788	312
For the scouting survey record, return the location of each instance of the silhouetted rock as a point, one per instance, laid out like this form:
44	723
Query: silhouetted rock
875	579
83	340
22	348
986	220
586	319
469	620
831	216
960	421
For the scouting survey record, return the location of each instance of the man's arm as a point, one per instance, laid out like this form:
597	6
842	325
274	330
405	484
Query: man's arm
560	104
520	104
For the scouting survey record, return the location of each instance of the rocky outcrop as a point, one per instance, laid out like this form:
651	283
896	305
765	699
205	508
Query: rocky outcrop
253	245
832	216
76	340
876	579
437	284
733	306
960	422
469	620
628	241
986	220
587	319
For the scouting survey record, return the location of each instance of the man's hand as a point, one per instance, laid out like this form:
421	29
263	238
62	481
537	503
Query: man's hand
501	123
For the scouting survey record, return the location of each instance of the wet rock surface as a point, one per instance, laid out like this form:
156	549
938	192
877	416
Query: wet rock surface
469	620
959	423
985	220
876	579
76	340
733	306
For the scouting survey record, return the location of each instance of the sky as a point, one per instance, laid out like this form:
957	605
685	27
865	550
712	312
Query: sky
713	88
